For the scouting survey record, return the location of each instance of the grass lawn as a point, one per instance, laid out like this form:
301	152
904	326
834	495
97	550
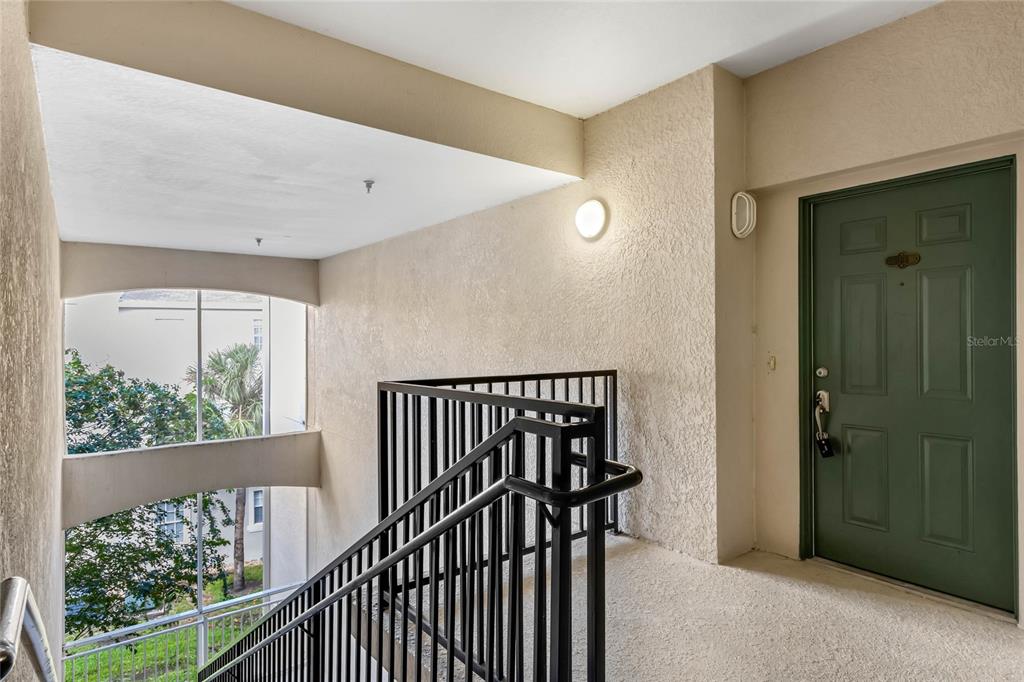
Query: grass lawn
170	656
253	583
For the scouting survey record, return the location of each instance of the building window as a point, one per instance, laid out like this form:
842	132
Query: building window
171	520
257	334
257	507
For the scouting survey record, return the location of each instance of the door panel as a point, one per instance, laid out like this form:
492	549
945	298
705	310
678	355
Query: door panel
947	490
944	327
862	331
865	477
920	377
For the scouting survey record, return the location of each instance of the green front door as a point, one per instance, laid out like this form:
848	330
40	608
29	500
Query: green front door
916	355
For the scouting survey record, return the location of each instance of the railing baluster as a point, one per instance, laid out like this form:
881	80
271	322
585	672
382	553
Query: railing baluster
612	445
469	588
493	565
418	556
517	519
465	582
392	598
434	509
359	618
478	486
540	581
347	624
380	611
410	453
579	472
497	471
368	668
595	560
561	564
329	634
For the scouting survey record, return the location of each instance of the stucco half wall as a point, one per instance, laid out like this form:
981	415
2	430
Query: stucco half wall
100	268
31	405
95	485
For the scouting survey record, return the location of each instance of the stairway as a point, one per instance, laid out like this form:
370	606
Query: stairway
484	484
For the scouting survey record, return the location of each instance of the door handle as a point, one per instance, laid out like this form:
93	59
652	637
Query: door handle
821	437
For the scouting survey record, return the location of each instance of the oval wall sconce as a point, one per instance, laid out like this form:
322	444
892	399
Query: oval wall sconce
591	218
744	214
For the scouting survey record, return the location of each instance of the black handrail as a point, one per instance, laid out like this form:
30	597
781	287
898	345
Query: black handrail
628	477
526	404
461	517
514	378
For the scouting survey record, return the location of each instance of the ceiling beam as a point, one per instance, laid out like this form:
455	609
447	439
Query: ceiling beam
87	269
229	48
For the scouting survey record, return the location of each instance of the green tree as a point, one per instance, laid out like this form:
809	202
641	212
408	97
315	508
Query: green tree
119	566
233	380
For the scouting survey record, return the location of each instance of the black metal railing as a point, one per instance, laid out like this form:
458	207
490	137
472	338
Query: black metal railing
438	589
421	434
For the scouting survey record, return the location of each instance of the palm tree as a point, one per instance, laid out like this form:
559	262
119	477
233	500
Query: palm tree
233	381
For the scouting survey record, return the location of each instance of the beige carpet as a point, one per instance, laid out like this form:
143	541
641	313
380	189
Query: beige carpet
765	617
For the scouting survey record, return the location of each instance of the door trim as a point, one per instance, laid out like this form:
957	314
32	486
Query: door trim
806	328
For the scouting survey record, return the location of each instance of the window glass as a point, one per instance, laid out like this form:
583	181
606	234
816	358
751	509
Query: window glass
126	359
257	506
138	364
172	520
233	362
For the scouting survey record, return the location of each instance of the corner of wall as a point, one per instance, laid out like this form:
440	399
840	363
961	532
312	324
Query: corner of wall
734	328
31	401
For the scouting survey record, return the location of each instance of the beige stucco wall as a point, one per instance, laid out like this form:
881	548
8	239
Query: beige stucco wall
31	402
100	268
939	88
734	329
515	289
947	75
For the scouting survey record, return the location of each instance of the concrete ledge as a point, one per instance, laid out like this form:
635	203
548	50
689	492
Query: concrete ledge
100	268
100	484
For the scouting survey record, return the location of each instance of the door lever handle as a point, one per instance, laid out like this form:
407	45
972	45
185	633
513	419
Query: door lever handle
821	437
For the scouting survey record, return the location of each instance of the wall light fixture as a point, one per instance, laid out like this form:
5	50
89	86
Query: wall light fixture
591	218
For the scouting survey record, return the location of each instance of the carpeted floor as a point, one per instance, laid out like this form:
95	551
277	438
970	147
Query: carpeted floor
765	617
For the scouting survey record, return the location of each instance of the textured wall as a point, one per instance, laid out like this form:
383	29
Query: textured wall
734	329
515	289
948	75
31	403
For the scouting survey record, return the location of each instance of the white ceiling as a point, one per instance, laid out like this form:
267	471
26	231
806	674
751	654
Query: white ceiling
583	58
141	159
